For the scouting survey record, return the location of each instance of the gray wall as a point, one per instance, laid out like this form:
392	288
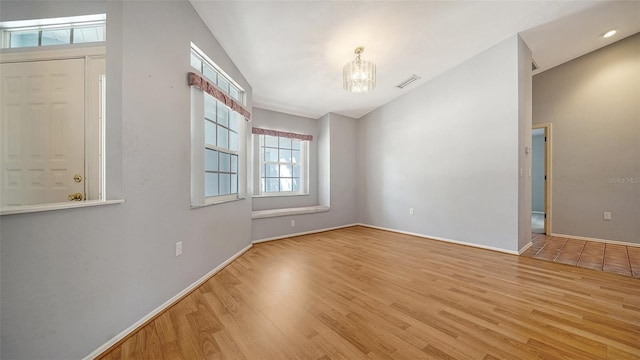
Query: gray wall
285	122
537	174
336	178
450	149
11	10
593	105
73	279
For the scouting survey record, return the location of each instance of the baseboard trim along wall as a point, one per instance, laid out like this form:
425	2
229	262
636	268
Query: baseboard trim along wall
524	248
446	240
303	233
118	339
616	242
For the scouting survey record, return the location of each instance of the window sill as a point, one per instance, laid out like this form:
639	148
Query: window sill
218	202
263	214
57	206
268	195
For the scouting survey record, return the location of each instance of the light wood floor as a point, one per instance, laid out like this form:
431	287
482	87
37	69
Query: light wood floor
360	293
618	259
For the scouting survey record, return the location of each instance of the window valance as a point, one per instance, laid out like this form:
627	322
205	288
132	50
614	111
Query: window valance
289	135
202	84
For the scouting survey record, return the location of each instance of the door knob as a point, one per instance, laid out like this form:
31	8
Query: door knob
77	178
75	197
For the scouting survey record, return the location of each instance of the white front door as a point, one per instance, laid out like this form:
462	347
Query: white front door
42	110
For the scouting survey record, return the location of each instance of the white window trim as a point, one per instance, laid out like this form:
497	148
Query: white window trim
258	169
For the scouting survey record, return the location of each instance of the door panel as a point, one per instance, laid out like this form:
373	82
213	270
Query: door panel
42	122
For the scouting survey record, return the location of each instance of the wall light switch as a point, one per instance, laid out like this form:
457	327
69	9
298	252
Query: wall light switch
410	211
179	248
607	215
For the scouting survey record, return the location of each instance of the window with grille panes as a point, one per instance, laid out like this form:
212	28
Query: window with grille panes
283	165
217	138
53	31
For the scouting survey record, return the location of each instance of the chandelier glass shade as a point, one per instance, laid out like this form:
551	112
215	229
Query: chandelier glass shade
359	75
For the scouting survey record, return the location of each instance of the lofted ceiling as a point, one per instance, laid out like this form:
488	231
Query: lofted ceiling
292	52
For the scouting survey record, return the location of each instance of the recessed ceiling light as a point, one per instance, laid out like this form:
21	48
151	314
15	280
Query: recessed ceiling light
609	33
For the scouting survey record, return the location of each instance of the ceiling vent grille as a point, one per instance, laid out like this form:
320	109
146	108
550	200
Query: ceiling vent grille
410	80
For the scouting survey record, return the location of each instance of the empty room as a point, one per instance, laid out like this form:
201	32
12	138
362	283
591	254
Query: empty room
195	179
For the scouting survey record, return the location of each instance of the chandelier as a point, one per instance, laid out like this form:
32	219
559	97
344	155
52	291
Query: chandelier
359	75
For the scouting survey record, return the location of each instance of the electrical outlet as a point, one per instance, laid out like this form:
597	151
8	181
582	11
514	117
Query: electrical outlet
179	248
293	223
410	211
607	215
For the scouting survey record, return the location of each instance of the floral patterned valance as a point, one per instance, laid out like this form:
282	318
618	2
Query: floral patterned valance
202	84
289	135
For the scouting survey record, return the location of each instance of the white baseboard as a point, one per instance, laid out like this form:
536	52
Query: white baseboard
524	248
302	233
97	352
512	252
616	242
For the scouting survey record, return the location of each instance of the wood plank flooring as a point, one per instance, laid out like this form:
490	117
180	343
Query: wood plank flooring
618	259
361	293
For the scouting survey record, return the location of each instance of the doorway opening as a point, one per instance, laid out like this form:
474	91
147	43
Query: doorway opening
541	179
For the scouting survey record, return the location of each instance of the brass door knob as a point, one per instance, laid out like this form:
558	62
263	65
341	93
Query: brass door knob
77	178
75	197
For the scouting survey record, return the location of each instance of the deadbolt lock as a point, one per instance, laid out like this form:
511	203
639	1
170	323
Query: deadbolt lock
75	197
77	178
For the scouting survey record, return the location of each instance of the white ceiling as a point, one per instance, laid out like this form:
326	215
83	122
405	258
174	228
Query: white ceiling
292	52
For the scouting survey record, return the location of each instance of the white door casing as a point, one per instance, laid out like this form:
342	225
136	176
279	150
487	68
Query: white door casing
42	112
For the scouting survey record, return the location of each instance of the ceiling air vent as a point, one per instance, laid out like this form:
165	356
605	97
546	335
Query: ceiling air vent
405	83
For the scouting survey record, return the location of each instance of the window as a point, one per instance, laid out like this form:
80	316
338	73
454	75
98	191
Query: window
283	162
221	127
217	152
215	75
55	31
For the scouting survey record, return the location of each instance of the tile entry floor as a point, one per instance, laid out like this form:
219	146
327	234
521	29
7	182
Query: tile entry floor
619	259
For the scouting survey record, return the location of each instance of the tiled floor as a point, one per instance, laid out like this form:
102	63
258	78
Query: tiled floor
619	259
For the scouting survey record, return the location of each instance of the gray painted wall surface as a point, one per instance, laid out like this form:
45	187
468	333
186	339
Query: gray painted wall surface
11	10
291	123
337	159
73	279
450	150
592	103
537	174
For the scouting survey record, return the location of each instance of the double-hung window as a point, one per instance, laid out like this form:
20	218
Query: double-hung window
282	163
217	135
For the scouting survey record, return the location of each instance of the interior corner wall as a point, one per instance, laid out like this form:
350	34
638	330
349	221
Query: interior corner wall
525	89
336	183
275	120
593	105
449	149
109	266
